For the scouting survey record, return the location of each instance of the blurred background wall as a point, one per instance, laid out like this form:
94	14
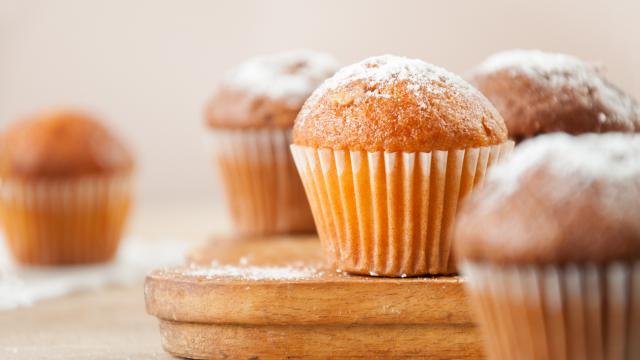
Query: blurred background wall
149	66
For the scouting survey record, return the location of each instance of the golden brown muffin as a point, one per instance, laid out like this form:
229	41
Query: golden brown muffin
61	144
391	105
538	92
550	248
386	149
268	91
65	186
249	124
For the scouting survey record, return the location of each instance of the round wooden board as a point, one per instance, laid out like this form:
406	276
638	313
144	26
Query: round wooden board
324	315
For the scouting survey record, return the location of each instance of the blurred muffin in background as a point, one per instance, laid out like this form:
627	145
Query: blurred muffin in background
65	189
387	148
538	92
249	122
550	247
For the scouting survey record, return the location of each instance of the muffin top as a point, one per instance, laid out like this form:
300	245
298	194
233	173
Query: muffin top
61	144
557	199
268	91
393	103
538	92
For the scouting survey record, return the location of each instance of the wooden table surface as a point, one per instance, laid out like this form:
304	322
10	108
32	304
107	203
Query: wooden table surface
105	324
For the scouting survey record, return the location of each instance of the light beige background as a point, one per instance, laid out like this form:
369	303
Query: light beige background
148	66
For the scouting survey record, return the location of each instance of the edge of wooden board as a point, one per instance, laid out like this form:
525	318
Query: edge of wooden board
331	299
222	341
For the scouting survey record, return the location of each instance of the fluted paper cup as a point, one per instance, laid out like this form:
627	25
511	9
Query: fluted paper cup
263	190
51	222
574	311
390	213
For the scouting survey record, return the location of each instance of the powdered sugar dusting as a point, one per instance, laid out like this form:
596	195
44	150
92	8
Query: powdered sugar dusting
388	69
612	158
534	63
556	71
289	76
253	273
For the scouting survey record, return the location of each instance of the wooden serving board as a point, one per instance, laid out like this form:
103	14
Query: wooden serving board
323	315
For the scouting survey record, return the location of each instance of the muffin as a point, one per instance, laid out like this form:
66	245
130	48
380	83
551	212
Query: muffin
538	93
249	123
386	149
65	189
550	248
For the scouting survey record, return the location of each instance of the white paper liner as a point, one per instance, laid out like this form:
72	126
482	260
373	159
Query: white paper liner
557	312
390	214
65	221
264	192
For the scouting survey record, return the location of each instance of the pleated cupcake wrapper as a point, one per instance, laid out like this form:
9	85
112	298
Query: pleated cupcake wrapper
65	221
557	312
390	214
263	189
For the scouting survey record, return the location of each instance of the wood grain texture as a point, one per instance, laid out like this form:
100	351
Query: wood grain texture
328	315
107	324
205	341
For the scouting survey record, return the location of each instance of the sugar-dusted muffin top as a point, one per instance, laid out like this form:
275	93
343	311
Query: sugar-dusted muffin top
61	144
538	92
393	103
557	199
268	91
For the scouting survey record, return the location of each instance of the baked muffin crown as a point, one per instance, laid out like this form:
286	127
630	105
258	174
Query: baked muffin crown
557	199
393	103
61	144
538	92
268	91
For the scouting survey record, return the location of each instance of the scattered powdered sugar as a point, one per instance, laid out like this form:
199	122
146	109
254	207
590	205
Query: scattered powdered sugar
389	69
611	158
254	273
556	71
289	76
